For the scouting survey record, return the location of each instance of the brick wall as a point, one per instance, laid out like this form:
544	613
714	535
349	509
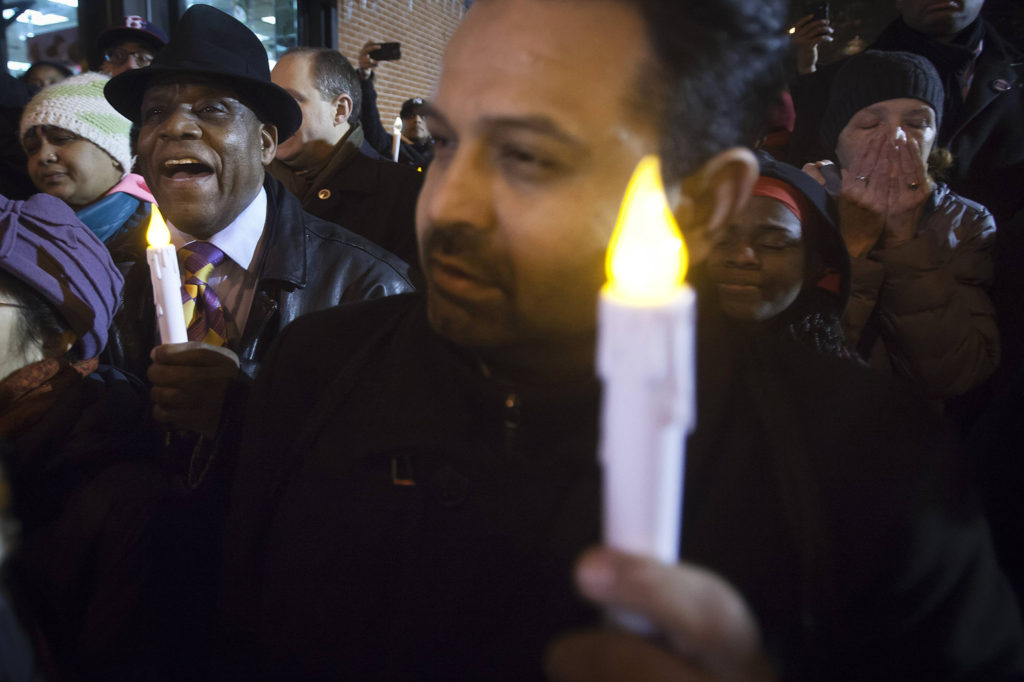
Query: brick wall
423	27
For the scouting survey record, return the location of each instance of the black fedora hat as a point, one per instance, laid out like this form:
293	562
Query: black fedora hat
209	42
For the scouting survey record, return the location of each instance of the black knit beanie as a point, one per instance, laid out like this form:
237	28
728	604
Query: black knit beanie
874	76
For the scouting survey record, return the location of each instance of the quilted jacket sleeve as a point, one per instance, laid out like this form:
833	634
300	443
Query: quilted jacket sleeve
930	302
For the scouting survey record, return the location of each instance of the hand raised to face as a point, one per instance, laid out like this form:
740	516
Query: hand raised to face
883	193
909	187
864	197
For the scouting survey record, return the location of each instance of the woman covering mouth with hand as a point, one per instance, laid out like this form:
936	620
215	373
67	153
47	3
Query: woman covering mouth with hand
921	255
79	150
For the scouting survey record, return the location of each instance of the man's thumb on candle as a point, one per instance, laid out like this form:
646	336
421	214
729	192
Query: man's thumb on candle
703	617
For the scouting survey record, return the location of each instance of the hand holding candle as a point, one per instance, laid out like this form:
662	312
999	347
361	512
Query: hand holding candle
163	271
646	357
396	138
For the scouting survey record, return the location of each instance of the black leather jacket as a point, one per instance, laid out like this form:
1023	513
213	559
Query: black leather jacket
307	264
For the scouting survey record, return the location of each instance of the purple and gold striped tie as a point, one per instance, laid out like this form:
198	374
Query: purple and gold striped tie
203	312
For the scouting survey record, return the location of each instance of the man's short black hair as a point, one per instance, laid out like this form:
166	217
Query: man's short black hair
718	72
333	74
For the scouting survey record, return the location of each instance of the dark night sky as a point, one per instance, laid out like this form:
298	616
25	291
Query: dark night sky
866	18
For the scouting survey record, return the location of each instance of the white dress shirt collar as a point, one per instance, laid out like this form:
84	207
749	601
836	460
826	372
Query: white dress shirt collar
239	239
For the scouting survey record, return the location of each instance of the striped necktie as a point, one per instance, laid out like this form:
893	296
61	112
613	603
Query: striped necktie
203	310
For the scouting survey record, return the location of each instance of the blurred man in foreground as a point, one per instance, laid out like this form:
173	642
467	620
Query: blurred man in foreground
409	502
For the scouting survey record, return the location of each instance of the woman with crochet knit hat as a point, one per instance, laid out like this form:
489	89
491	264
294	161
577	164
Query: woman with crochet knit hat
79	150
920	255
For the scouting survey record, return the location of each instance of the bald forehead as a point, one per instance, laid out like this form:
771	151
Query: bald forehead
529	39
298	58
592	25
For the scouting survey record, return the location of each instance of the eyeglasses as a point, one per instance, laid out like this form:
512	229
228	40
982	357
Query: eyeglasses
118	56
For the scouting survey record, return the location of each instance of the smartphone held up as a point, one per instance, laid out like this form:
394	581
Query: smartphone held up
387	52
817	9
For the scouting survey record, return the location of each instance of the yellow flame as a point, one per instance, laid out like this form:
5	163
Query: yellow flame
646	260
157	234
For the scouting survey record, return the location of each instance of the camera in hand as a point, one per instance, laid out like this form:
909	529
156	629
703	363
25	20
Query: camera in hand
387	52
819	10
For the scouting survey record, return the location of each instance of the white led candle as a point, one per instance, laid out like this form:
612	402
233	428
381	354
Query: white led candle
646	357
163	271
396	138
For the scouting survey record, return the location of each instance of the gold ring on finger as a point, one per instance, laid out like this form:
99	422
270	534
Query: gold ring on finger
914	186
863	178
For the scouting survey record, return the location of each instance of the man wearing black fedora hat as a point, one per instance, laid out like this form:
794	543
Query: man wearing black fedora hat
209	124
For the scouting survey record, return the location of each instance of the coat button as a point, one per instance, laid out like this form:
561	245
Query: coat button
450	487
324	194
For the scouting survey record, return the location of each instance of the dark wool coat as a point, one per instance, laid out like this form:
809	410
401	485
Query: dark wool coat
396	515
374	198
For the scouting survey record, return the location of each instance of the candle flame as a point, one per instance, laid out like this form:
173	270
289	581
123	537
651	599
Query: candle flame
157	234
646	260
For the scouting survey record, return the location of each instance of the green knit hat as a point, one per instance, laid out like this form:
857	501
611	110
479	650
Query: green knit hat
77	104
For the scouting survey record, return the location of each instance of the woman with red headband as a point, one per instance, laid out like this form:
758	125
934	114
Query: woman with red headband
782	265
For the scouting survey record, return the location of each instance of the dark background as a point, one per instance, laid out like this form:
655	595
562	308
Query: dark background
866	18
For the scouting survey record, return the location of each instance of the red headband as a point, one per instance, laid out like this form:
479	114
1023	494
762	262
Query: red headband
793	199
783	192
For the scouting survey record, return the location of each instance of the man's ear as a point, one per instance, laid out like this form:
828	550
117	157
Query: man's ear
342	108
705	202
268	141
